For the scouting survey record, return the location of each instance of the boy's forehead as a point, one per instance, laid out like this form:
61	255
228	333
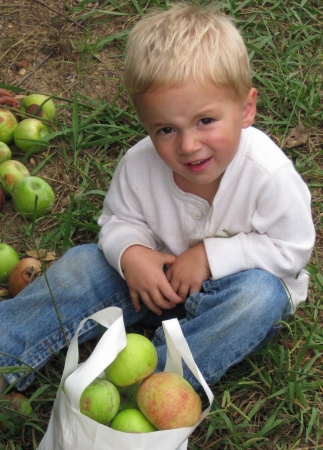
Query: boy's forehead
156	106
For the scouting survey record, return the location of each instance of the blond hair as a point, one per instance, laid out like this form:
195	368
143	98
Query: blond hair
167	48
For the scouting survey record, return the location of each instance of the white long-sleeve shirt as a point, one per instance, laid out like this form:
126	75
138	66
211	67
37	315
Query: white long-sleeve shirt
260	216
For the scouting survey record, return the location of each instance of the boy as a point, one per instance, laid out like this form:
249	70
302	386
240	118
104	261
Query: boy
205	220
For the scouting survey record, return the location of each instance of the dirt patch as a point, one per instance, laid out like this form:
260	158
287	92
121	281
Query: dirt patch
56	48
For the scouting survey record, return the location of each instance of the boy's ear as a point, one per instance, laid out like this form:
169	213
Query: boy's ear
249	108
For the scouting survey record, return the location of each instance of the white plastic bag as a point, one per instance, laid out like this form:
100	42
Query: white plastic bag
69	429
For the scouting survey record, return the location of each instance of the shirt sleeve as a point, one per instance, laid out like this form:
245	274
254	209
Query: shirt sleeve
122	221
282	236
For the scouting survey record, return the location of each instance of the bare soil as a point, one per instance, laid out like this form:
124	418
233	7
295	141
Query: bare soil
47	47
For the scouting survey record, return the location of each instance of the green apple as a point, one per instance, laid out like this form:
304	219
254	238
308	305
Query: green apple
132	421
8	124
14	401
11	172
8	259
134	363
169	401
32	196
30	135
5	152
128	396
100	401
38	105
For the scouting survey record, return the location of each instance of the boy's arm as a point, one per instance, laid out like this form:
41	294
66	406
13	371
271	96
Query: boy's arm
122	222
282	236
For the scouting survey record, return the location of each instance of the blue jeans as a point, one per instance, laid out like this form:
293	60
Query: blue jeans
222	324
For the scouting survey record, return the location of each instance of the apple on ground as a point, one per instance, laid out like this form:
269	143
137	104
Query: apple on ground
24	273
11	172
2	199
169	401
134	363
100	401
17	402
32	196
132	421
5	152
8	124
8	259
38	105
29	135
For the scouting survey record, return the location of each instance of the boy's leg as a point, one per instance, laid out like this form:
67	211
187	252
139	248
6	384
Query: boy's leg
81	282
231	318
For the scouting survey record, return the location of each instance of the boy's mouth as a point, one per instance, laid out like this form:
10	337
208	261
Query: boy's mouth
199	165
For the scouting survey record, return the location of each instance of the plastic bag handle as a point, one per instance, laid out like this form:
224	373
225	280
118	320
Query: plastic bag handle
177	348
76	378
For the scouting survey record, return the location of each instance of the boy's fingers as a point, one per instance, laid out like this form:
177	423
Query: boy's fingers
145	297
135	299
168	259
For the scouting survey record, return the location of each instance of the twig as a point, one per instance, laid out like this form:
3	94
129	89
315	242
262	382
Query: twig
36	68
60	14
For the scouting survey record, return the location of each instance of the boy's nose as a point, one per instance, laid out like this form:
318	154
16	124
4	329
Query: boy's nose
189	143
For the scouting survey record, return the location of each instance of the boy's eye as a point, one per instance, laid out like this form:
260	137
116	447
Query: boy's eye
206	120
165	130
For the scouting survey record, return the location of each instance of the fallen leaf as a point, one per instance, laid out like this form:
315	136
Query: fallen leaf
297	136
43	254
4	292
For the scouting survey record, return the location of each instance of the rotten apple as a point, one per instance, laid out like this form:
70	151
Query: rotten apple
24	273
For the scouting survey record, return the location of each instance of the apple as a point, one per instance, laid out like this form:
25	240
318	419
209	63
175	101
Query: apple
128	396
29	134
33	196
17	402
2	199
100	401
38	105
8	259
169	401
8	124
134	363
131	421
11	172
5	152
24	273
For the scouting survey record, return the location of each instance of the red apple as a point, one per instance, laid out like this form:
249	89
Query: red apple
11	172
30	135
38	105
8	124
2	199
8	259
5	152
24	273
134	363
169	401
33	195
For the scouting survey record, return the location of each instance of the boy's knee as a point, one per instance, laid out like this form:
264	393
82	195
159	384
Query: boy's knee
268	292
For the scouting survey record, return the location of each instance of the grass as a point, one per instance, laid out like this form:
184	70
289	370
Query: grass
272	400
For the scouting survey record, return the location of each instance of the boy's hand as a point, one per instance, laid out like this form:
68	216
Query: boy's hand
143	271
190	269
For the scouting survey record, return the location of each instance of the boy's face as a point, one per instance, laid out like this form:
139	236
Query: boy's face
196	131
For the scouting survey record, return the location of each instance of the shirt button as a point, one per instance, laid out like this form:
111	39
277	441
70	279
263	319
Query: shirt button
196	215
